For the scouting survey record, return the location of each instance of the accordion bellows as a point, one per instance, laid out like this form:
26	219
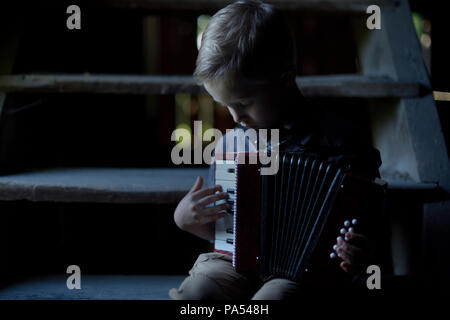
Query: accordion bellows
286	224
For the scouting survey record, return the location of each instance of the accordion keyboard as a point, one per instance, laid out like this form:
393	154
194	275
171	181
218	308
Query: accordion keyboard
226	178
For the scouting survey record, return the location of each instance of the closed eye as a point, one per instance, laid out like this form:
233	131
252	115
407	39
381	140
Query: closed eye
237	105
240	105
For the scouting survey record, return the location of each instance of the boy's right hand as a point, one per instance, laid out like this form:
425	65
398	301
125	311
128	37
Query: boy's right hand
191	213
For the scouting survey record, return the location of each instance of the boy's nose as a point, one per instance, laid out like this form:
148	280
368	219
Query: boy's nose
238	117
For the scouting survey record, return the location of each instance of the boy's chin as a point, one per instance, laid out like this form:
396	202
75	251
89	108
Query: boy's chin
247	125
256	126
260	126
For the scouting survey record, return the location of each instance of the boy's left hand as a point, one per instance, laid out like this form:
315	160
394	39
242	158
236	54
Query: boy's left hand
355	252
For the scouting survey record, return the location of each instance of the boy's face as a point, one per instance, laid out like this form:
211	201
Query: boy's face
251	104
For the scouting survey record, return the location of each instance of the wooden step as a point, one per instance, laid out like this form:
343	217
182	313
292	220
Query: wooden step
416	191
93	287
107	185
131	185
346	85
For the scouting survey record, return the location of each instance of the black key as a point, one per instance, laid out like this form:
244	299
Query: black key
230	190
231	202
230	230
230	241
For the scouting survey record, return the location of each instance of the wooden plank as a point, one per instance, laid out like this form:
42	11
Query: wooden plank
420	192
314	86
104	185
351	6
357	86
88	83
441	96
94	287
132	185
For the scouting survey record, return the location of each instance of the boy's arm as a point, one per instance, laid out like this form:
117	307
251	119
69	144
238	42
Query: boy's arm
193	214
360	250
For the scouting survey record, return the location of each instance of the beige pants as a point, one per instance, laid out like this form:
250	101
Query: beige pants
213	278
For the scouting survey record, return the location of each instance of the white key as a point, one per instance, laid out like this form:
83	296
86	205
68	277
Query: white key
225	170
222	225
227	184
224	246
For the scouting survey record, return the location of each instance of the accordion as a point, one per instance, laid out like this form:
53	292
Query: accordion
287	223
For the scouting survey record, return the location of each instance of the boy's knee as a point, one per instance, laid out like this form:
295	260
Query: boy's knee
277	289
212	278
197	287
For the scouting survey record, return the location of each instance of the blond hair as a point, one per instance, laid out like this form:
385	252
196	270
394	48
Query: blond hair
248	39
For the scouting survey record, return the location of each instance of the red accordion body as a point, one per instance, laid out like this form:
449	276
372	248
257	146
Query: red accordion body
287	223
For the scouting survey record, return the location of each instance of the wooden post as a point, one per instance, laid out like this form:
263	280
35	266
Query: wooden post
406	130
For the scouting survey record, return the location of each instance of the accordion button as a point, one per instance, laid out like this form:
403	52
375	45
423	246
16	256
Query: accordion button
332	255
350	229
346	223
339	238
335	247
342	231
354	221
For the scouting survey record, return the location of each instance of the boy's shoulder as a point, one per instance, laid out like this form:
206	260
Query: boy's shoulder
338	138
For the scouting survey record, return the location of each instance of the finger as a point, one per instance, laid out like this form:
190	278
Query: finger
346	267
211	214
212	217
197	185
349	250
356	239
212	198
205	192
350	253
220	208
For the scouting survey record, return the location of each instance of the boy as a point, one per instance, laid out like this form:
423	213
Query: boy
247	63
